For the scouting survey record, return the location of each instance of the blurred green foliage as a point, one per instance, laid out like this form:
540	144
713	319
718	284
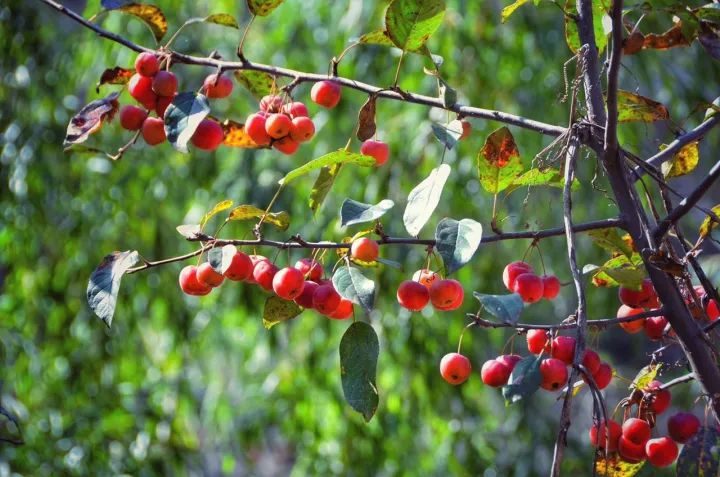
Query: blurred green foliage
187	386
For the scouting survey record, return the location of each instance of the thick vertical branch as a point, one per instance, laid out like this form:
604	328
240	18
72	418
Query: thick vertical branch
611	140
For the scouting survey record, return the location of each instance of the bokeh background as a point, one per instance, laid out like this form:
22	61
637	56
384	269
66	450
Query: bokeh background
188	386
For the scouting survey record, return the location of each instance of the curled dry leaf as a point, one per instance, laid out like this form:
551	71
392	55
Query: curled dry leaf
90	119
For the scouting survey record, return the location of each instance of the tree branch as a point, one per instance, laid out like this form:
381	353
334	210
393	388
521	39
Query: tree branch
611	141
599	324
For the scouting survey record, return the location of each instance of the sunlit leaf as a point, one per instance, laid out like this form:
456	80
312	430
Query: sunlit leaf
248	212
424	198
322	186
354	286
359	349
219	207
571	32
116	75
235	135
220	258
614	466
150	14
620	270
263	8
189	231
457	241
683	162
381	37
448	134
258	83
611	240
182	118
506	308
277	310
223	19
537	177
633	107
354	212
341	156
510	9
645	376
708	225
499	162
410	23
90	119
104	284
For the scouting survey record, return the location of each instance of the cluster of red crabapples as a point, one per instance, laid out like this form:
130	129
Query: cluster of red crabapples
632	439
426	287
520	278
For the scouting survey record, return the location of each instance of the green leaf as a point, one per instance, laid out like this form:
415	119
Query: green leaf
611	240
258	83
278	310
341	156
645	376
90	119
104	284
322	186
263	8
247	212
709	224
700	456
709	13
633	107
621	270
424	198
219	207
457	242
150	14
220	258
524	380
354	212
449	134
359	349
683	162
571	31
506	308
499	162
510	9
410	23
537	177
223	19
354	286
182	118
448	96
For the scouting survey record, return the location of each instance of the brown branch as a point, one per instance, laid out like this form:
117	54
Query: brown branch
611	140
599	324
682	379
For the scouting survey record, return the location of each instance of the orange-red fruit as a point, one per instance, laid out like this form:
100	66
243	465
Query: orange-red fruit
364	249
190	284
376	149
255	128
712	310
288	283
132	117
311	269
326	93
412	295
263	274
551	286
446	294
495	373
206	275
509	360
286	145
255	259
162	104
140	88
529	286
636	430
603	376
271	103
165	84
655	326
147	64
634	326
630	451
512	270
302	129
278	125
554	374
591	361
240	268
343	311
466	128
606	437
682	426
208	135
563	348
645	297
455	368
661	452
153	131
537	341
295	109
305	298
325	299
660	400
217	88
425	277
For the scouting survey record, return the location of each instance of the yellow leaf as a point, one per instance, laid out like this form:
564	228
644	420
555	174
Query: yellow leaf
235	135
683	162
246	212
151	15
633	107
219	207
709	224
614	466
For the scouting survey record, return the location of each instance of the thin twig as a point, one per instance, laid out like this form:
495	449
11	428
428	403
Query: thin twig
599	324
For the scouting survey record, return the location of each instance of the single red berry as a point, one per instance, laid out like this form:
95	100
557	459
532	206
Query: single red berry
455	368
147	64
165	84
554	374
606	437
153	131
217	87
655	326
529	286
240	268
162	104
254	260
495	373
661	452
712	310
140	88
190	284
551	286
288	283
376	149
660	398
645	297
630	451
446	294
412	295
537	341
563	348
425	277
509	360
255	129
634	326
311	269
271	103
305	298
132	117
278	125
208	276
512	270
636	430
286	145
466	128
343	311
263	274
682	426
325	299
364	249
591	361
603	376
208	135
326	93
295	109
302	129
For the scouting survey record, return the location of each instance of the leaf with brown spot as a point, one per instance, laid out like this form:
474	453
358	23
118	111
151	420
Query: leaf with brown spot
263	8
235	135
90	119
258	83
366	119
115	75
709	224
633	107
672	38
614	466
499	161
150	14
683	162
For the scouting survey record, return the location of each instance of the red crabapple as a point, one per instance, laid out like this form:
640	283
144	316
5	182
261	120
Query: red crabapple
603	376
551	286
591	361
165	84
295	109
446	294
364	249
512	270
509	360
255	128
208	276
286	145
190	284
326	93
240	268
302	129
655	326
412	295
140	88
455	368
645	297
682	426
554	374
153	131
563	348
712	310
147	64
376	149
278	125
162	104
325	299
631	451
529	286
254	260
661	452
208	135
537	341
425	277
603	436
305	298
636	430
495	373
634	326
288	283
310	268
343	311
132	117
660	399
271	103
217	87
263	274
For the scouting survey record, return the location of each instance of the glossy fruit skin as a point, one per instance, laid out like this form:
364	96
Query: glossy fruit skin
636	430
255	259
455	368
295	109
563	348
132	117
364	249
162	104
310	268
206	275
241	267
602	438
655	326
286	145
271	103
661	399
512	270
529	286
645	297
445	293
278	125
326	94
288	283
537	341
603	376
302	129
255	128
632	327
466	128
263	274
208	135
343	311
305	298
661	452
190	284
554	374
425	277
153	131
591	361
495	373
325	299
551	286
509	360
147	64
455	304
683	426
712	310
412	295
630	451
217	88
140	88
377	149
165	84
